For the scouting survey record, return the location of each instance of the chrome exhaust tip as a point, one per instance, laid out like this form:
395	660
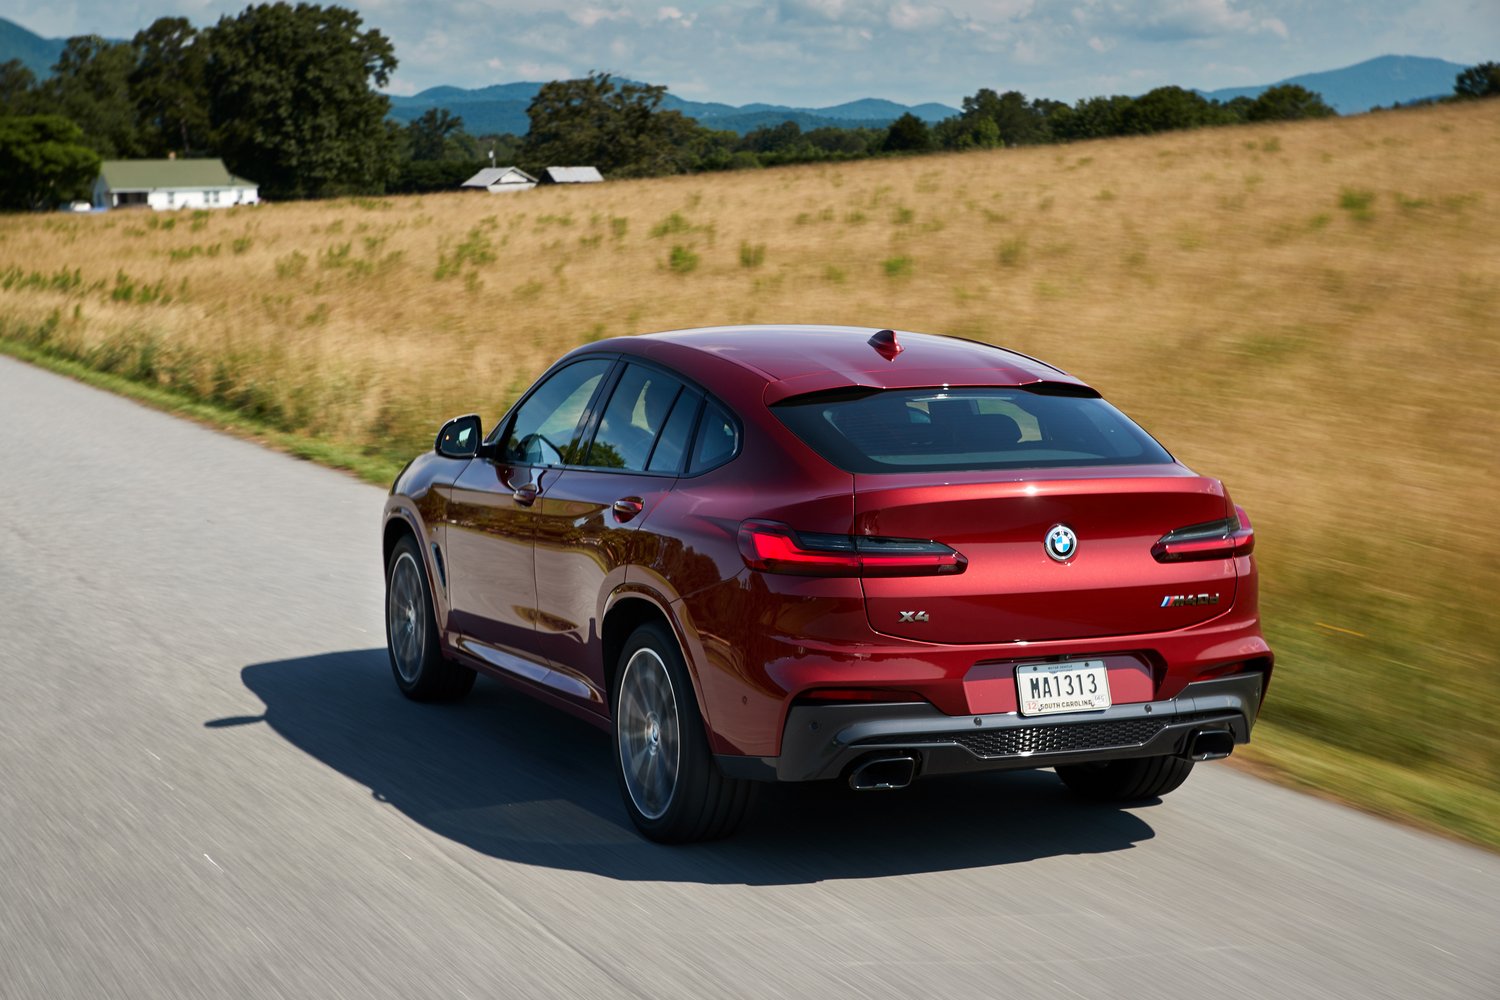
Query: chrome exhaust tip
1210	744
883	774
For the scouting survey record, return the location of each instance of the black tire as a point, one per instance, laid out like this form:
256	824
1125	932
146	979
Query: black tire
1126	780
657	723
411	635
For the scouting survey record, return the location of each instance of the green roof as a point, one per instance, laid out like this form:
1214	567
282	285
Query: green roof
148	175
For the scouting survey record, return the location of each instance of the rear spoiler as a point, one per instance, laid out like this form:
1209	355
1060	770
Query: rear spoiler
791	392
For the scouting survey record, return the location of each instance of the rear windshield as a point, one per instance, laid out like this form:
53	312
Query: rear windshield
953	430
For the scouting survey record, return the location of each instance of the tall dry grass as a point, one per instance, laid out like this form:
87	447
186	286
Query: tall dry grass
1307	310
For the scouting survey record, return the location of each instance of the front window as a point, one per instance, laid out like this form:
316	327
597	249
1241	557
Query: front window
545	428
966	429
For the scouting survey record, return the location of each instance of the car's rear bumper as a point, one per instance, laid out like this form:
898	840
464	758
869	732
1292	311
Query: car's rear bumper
827	740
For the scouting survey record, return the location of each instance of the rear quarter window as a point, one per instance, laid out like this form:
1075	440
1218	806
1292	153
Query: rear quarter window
717	442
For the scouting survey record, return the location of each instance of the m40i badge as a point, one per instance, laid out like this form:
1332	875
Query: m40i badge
1187	600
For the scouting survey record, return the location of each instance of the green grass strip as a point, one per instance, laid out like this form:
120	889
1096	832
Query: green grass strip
378	469
1434	800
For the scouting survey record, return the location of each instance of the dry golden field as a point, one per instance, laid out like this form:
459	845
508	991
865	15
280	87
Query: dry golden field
1310	311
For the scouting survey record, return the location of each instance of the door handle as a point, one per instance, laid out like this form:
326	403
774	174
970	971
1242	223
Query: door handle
526	494
627	507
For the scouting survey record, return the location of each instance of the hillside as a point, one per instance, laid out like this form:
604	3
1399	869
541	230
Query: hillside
1306	310
37	53
1379	82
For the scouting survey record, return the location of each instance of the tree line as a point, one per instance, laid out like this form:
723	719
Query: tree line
286	95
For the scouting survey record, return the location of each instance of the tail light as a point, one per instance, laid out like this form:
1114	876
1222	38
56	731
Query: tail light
772	547
1232	536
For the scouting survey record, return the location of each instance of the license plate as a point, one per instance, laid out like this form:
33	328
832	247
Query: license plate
1048	688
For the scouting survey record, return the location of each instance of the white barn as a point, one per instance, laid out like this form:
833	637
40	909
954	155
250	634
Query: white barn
572	175
170	184
497	180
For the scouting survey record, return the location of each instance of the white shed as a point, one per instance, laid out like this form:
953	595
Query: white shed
498	179
572	175
169	184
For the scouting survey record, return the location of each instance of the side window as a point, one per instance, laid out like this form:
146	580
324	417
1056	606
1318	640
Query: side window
638	410
545	428
718	439
673	443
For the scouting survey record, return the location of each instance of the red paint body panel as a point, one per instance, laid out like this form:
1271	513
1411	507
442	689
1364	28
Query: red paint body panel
523	592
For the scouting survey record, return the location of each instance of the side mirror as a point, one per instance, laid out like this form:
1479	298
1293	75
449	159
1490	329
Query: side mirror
460	437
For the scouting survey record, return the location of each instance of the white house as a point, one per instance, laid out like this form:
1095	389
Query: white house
169	184
572	175
496	180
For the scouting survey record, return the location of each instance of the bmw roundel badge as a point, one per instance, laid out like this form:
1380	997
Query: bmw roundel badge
1061	544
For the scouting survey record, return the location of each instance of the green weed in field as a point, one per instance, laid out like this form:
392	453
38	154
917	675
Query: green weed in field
671	225
682	260
1358	202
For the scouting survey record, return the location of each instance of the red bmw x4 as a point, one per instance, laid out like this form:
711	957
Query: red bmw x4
802	553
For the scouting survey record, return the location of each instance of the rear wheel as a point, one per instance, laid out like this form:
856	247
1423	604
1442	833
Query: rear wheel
411	636
673	790
1126	780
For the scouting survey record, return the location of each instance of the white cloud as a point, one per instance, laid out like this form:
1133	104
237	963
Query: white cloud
1275	26
587	17
915	17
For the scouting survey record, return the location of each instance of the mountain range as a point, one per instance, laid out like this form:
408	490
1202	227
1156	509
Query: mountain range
38	54
1384	80
502	108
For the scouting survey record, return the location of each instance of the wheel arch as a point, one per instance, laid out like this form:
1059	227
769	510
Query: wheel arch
628	613
396	526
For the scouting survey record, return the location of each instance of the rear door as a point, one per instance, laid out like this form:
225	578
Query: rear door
591	518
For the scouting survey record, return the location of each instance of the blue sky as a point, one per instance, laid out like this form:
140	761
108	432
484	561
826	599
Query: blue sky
819	52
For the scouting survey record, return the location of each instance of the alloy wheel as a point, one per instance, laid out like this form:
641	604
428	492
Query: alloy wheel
406	624
648	730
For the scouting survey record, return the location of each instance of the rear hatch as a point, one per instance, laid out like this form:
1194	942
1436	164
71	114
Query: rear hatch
1011	588
994	473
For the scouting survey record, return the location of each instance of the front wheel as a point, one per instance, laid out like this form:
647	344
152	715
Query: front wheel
1126	780
673	790
411	637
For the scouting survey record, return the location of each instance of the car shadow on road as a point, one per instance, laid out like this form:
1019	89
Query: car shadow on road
505	776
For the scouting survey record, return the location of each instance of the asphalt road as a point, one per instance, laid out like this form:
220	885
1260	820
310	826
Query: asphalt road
209	787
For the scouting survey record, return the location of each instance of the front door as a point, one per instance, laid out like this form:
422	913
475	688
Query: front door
492	519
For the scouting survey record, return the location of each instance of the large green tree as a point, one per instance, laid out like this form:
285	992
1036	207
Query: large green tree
1288	102
438	134
908	134
291	102
1482	80
167	88
17	88
43	161
622	130
90	86
1167	108
1091	118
